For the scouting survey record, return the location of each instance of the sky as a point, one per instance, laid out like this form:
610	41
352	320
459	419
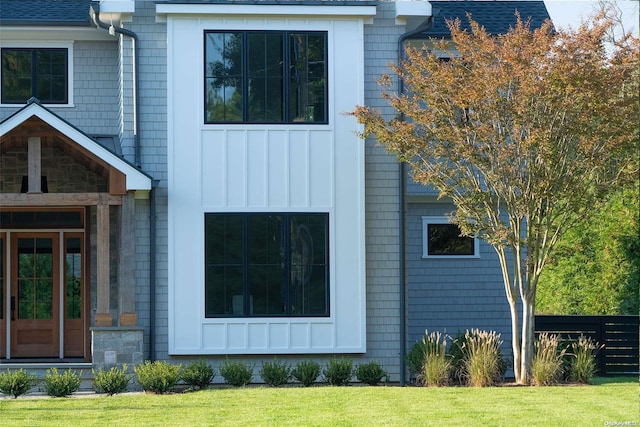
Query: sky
570	12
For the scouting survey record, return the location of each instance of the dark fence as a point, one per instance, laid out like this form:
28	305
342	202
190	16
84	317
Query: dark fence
619	334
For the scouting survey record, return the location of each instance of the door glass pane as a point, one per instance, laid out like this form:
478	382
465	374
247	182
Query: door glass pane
35	278
44	299
25	299
73	277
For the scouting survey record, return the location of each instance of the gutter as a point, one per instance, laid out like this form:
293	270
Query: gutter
403	211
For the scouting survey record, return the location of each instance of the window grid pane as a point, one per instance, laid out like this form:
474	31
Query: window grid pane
283	270
245	77
41	73
445	239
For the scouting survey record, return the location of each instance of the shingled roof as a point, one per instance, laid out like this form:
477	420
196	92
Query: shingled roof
495	16
45	12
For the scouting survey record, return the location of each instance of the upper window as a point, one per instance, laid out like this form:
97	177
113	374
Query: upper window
41	73
266	264
443	239
265	77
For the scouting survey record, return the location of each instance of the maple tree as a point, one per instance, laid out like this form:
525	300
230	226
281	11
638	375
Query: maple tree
525	132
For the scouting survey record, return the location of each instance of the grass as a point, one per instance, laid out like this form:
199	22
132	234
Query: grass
611	400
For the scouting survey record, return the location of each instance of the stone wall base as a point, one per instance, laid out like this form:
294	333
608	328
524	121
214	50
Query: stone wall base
114	346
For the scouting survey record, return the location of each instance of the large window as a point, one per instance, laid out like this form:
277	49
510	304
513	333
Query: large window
40	73
265	77
443	239
266	265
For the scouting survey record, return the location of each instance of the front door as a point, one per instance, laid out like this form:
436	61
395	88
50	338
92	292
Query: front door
35	295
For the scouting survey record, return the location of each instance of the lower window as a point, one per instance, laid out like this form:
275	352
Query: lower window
266	264
443	239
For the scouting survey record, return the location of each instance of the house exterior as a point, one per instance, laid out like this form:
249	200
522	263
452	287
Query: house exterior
178	179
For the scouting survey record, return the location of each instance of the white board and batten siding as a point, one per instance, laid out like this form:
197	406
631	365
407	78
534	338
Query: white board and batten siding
266	168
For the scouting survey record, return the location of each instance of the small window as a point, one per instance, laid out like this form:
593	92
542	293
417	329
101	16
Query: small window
41	73
266	265
265	77
443	239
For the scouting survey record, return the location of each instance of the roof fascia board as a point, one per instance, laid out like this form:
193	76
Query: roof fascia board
136	180
53	33
269	9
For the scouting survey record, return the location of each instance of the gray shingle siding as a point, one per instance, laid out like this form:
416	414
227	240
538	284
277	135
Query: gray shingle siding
381	205
452	295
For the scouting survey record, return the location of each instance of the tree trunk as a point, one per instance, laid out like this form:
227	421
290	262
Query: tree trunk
515	340
528	332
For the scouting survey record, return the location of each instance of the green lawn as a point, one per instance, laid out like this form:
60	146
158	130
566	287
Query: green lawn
613	400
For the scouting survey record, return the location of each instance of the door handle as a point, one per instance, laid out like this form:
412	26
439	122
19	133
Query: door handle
13	308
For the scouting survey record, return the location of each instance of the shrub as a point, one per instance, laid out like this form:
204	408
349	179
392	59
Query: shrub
414	359
61	385
306	372
198	374
483	362
371	373
583	359
338	371
17	383
436	361
237	374
546	366
275	373
158	377
111	382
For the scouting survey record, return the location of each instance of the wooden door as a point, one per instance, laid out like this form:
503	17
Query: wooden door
35	295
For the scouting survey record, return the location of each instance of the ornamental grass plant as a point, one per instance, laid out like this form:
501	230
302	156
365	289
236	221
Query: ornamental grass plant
583	366
483	362
546	366
436	361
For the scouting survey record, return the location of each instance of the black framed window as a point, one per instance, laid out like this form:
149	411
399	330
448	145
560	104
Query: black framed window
266	264
40	73
443	239
265	77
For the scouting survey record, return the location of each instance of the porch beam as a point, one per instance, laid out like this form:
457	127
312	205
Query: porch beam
57	199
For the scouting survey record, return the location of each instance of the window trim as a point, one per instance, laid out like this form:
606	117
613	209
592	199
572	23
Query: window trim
285	79
44	45
426	221
247	297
